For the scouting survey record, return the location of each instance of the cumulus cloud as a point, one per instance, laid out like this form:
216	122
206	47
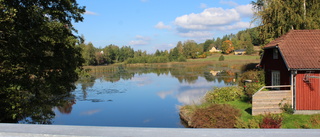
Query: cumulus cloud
140	40
203	25
230	3
208	18
164	94
196	34
161	25
245	10
203	6
90	13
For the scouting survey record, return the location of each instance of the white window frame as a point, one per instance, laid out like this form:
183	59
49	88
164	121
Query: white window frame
275	78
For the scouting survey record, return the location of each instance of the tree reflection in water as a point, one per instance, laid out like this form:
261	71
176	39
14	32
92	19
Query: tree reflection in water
39	109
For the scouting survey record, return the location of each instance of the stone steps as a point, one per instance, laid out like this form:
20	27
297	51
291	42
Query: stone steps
268	101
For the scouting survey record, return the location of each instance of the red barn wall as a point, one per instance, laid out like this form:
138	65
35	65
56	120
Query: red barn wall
269	64
307	93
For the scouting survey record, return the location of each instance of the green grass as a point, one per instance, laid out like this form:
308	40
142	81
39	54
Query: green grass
228	58
297	121
245	109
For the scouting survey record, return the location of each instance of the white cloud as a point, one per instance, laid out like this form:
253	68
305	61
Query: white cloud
208	18
90	13
245	10
201	26
161	25
230	3
203	6
196	34
238	25
139	37
164	94
164	47
140	40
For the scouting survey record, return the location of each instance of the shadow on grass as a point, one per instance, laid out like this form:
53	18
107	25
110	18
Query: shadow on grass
249	110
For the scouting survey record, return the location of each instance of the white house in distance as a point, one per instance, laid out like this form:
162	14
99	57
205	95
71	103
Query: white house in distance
214	50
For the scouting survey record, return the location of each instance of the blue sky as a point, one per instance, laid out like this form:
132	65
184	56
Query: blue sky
159	24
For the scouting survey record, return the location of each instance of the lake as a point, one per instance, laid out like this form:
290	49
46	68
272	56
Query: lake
141	95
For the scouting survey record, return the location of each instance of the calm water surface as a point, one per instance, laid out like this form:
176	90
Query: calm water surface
139	99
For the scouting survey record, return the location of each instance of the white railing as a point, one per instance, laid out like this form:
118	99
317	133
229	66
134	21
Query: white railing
280	86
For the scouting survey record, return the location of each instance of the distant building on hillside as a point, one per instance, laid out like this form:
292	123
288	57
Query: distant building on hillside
240	52
214	50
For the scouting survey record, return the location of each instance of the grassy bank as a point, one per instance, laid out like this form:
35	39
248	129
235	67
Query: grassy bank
246	120
228	58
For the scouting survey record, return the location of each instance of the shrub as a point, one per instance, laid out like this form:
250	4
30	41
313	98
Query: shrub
224	94
221	58
257	78
182	59
251	123
271	121
250	89
215	116
286	108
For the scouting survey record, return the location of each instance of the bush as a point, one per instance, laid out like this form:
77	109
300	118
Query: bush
221	58
182	59
252	123
286	108
250	89
257	78
215	116
224	94
271	121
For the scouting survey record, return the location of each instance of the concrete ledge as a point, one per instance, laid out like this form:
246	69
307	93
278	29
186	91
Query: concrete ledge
22	130
307	112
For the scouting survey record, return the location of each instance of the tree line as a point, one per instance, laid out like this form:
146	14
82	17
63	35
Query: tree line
189	49
277	17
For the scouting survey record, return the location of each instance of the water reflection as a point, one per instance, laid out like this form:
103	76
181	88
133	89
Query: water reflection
191	89
136	95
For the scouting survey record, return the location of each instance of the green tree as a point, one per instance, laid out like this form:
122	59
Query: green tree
157	53
277	17
180	48
218	43
38	53
249	49
191	49
174	54
208	44
88	54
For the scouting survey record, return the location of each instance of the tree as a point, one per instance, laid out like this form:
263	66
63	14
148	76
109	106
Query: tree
249	49
227	47
208	44
157	53
38	53
191	49
174	54
88	54
277	17
218	43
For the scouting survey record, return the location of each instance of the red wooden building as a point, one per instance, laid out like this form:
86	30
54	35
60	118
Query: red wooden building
294	59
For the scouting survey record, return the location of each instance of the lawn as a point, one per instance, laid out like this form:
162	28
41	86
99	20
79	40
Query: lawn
215	57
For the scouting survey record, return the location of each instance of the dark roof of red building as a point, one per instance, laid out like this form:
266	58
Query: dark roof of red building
299	48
